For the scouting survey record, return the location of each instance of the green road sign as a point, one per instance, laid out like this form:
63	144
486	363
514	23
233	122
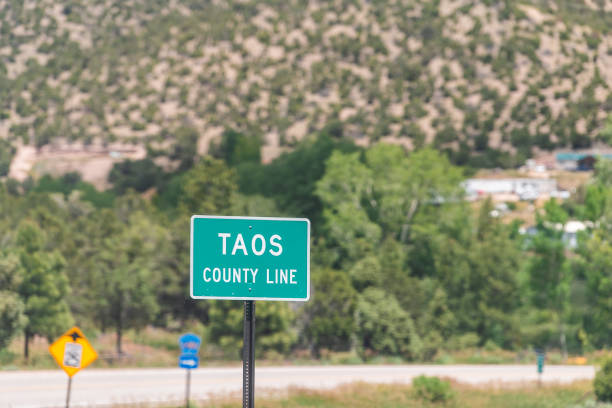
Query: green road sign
540	357
250	258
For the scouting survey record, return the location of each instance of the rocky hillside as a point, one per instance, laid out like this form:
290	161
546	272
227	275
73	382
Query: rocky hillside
492	81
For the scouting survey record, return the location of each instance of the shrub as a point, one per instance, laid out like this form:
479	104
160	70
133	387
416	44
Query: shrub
384	327
603	381
139	175
236	148
7	151
432	389
138	126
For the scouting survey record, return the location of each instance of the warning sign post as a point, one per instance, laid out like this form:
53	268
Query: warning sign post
72	352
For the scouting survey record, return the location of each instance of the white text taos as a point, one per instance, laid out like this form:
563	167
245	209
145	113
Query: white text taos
258	244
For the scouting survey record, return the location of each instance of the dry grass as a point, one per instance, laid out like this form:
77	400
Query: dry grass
155	347
150	347
363	395
571	180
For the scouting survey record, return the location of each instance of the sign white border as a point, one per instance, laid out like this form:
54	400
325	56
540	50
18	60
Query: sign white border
193	217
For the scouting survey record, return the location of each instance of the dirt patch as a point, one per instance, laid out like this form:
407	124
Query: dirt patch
92	162
22	162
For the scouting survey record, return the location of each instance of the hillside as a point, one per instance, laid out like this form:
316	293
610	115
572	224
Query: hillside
491	81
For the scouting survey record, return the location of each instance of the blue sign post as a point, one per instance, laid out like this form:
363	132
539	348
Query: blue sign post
190	345
540	363
541	356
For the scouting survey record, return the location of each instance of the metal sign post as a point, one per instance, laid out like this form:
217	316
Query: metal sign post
68	392
248	356
187	390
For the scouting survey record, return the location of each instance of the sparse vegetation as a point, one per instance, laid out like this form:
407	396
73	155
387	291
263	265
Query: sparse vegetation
262	69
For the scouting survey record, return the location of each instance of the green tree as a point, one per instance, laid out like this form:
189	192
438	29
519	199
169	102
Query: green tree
475	262
603	173
383	327
12	310
395	275
365	200
595	201
344	190
606	132
226	325
126	270
253	205
403	184
7	151
328	317
290	180
495	259
185	147
549	275
208	188
44	288
139	175
236	148
596	265
273	326
437	323
173	289
12	317
603	381
366	272
71	186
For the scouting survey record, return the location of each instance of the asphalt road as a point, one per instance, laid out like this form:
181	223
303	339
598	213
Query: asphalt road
99	387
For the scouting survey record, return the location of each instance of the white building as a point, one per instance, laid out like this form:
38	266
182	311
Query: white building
524	188
571	229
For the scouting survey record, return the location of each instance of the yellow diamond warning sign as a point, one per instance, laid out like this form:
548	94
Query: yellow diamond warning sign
72	351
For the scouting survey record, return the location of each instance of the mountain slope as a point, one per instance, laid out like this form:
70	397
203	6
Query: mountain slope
489	80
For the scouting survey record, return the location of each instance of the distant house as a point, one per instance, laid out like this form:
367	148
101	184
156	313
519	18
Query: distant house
570	233
541	164
571	229
581	160
522	188
587	163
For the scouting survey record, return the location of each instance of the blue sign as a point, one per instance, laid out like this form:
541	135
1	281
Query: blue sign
189	343
188	361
